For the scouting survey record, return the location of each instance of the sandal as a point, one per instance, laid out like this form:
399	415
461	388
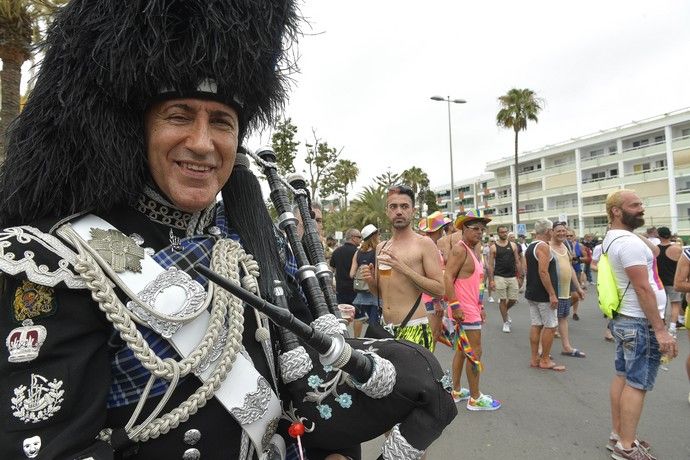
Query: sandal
574	353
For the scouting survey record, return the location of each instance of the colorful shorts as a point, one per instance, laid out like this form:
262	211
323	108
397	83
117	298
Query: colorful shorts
416	333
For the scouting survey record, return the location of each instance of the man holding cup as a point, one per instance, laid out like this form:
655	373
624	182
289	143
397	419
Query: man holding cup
407	265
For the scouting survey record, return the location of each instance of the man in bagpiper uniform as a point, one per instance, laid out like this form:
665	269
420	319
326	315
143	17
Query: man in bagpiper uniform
115	346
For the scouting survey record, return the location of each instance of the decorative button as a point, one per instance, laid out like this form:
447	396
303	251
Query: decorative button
192	436
149	251
31	446
215	231
191	454
138	239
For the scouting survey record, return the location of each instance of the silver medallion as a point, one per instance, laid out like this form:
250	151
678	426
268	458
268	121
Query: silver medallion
255	403
137	238
42	400
192	436
24	342
118	250
194	296
31	446
149	252
191	454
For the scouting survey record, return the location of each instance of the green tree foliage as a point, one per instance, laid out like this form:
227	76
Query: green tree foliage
343	176
517	107
418	181
370	208
285	146
321	160
387	180
22	23
430	201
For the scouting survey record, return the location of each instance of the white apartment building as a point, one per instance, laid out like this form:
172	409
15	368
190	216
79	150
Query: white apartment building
468	193
572	178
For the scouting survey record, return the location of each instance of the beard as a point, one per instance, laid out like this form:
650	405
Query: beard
632	221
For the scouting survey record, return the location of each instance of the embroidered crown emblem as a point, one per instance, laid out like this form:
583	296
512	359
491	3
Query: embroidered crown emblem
25	342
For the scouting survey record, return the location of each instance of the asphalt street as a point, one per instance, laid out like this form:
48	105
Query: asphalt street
553	415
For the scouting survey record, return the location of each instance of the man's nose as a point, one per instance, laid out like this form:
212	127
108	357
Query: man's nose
199	140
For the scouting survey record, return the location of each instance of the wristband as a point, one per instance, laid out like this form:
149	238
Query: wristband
454	305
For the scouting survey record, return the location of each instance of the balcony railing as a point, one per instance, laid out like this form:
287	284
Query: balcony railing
598	179
646	149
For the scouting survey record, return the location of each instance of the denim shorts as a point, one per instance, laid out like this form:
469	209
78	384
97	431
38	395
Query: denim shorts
637	351
564	307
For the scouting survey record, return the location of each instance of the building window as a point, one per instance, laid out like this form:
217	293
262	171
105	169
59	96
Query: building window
660	164
641	167
640	143
613	172
685	132
613	150
561	161
659	139
598	175
600	220
596	153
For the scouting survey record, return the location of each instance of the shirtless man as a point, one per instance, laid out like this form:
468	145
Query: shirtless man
407	265
464	283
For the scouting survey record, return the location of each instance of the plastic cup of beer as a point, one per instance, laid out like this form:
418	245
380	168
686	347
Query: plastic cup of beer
384	270
346	311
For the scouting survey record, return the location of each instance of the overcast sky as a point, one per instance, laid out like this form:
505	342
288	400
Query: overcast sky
368	68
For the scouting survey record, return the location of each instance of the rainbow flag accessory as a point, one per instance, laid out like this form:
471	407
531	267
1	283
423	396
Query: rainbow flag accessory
455	337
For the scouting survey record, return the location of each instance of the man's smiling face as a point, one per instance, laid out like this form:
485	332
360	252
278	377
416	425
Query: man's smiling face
191	148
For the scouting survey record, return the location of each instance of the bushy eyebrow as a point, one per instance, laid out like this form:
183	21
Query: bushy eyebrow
189	109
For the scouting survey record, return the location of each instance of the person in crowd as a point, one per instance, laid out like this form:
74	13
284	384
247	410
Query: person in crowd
464	285
505	273
433	226
639	331
341	262
331	244
406	266
365	302
652	235
588	243
566	279
681	283
577	254
666	263
541	294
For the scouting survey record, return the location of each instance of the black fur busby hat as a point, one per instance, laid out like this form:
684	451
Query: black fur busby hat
79	143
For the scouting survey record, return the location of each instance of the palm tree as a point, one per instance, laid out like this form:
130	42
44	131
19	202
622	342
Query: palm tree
370	208
346	171
21	24
418	181
518	106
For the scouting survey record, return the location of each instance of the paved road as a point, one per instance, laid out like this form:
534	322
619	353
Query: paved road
554	415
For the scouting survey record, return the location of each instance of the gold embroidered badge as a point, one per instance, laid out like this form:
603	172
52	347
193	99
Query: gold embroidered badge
32	300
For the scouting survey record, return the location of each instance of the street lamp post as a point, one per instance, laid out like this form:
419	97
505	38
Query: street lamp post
450	146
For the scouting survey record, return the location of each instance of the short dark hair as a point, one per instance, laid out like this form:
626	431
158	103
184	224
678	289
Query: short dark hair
402	189
557	223
664	232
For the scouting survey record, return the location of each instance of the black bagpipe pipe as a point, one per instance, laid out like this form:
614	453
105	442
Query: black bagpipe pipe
312	241
287	222
332	350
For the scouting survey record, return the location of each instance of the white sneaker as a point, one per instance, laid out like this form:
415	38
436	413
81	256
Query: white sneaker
491	299
506	326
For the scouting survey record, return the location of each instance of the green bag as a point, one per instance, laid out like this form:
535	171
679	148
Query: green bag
607	288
